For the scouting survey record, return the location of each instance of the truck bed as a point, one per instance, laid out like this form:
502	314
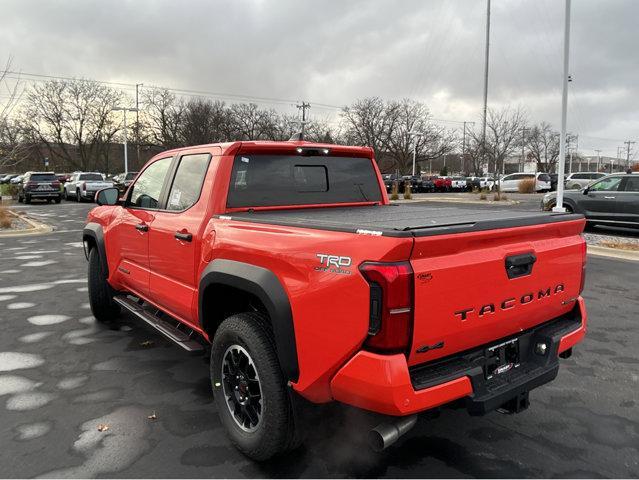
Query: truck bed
402	220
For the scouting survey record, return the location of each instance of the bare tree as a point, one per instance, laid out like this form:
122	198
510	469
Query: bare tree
249	122
74	120
12	146
368	122
162	117
412	130
503	134
203	121
542	143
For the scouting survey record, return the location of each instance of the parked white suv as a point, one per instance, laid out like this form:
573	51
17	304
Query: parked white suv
458	183
84	185
510	183
579	180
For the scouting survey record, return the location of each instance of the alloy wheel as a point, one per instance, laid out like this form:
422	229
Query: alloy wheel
242	389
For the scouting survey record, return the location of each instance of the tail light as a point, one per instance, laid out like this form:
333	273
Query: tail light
55	184
584	254
30	184
391	305
84	186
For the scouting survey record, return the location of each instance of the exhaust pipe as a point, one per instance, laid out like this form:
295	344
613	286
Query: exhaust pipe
385	434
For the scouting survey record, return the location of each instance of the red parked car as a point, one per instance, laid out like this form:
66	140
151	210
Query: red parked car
442	184
288	260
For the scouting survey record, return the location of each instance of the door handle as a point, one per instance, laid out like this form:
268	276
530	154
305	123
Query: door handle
610	198
184	236
142	227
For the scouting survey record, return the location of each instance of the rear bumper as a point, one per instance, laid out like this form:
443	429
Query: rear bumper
385	384
50	194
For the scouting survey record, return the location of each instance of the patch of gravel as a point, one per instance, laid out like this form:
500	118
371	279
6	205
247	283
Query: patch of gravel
612	241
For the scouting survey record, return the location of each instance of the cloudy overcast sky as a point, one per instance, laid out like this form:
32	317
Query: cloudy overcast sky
332	52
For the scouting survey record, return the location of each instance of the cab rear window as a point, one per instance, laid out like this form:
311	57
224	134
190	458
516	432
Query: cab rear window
42	177
272	180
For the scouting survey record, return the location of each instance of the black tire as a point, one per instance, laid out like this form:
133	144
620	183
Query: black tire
20	199
66	195
275	431
78	198
103	307
59	199
27	199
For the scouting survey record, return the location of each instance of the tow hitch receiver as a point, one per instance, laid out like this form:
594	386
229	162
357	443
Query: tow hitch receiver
515	405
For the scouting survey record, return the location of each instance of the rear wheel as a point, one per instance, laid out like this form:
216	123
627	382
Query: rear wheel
103	307
59	199
78	198
252	398
27	199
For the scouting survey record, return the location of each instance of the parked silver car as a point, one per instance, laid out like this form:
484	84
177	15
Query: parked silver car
84	185
578	180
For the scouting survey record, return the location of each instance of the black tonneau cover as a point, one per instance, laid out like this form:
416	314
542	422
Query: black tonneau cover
401	220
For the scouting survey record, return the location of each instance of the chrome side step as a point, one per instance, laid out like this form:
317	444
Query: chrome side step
170	329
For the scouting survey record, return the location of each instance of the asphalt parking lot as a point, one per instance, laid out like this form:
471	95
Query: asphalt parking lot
62	375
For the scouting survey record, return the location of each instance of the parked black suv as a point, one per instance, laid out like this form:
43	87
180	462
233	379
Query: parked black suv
612	201
39	185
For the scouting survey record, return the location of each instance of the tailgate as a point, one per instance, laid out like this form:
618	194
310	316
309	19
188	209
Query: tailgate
465	296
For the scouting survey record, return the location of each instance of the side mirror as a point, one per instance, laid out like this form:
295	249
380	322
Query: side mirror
585	190
107	196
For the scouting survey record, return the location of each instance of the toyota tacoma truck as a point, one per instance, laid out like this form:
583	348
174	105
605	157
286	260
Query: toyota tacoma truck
286	261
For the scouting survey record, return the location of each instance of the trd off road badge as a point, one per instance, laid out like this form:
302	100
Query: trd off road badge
333	264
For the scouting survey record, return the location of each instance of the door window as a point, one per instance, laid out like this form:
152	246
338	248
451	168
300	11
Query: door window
145	193
609	184
188	181
632	184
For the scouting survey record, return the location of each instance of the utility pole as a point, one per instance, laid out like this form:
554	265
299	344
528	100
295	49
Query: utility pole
126	153
598	159
483	126
303	107
628	143
137	121
564	111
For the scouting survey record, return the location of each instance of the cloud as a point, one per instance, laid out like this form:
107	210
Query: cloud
333	52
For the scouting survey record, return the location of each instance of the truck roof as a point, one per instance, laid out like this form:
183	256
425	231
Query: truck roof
267	146
401	220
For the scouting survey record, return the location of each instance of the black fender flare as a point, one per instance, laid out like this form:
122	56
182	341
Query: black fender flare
94	232
263	284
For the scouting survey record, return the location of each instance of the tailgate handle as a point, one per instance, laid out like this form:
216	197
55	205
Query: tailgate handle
520	265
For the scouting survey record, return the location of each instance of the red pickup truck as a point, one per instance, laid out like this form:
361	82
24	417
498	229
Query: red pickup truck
289	261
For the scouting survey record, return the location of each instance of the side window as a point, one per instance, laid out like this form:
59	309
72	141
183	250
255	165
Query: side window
609	184
145	193
632	184
188	181
507	178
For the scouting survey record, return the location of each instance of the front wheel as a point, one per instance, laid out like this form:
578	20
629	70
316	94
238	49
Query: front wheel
78	198
103	307
250	391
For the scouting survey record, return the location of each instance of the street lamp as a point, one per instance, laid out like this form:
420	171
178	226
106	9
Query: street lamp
415	134
126	156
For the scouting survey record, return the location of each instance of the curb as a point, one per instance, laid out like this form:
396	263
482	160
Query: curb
613	253
37	228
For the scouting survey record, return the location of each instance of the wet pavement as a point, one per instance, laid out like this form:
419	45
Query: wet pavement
62	375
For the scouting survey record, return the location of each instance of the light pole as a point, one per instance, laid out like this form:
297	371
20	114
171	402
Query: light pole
598	159
126	156
564	109
419	135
